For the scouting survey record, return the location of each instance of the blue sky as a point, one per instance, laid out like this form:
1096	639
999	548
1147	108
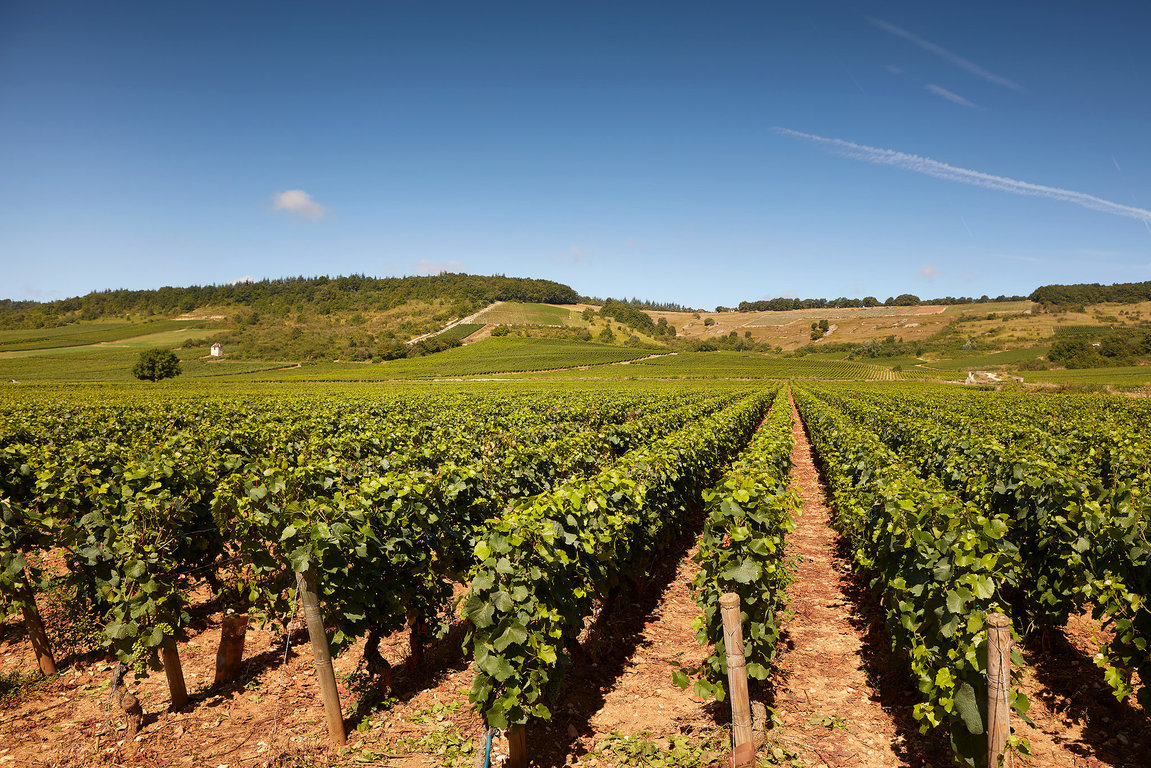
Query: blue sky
704	153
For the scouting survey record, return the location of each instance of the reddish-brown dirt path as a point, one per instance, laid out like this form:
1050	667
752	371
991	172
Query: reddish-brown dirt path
272	717
1078	722
622	683
830	712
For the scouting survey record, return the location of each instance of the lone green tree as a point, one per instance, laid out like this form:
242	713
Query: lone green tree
156	364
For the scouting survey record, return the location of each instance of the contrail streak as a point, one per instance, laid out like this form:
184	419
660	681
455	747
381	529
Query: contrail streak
967	227
929	167
954	98
945	54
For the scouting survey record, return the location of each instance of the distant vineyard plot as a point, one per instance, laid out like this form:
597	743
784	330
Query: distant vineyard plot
459	332
491	356
993	306
1120	376
744	365
767	319
112	363
82	334
518	313
1007	357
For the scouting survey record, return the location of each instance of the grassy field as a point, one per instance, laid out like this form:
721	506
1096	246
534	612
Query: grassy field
517	313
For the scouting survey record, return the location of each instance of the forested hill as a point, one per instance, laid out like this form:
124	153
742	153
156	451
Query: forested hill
1083	294
278	297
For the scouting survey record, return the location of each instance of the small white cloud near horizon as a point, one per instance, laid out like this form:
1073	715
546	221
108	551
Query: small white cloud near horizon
951	96
938	170
945	54
298	201
929	272
425	267
244	279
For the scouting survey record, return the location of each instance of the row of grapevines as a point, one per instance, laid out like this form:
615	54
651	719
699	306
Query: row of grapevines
140	502
386	547
1082	531
541	567
749	512
937	562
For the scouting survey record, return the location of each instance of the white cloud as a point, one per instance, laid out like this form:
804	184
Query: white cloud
298	201
929	273
954	98
893	69
425	267
936	169
946	55
244	279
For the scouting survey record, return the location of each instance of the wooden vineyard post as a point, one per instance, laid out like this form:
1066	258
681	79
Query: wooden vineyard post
306	582
35	628
174	672
517	747
230	656
743	752
998	677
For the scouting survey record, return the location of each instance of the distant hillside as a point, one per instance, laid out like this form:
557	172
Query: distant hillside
315	295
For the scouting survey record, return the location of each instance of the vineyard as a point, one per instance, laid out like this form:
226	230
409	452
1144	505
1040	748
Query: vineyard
507	355
514	525
723	365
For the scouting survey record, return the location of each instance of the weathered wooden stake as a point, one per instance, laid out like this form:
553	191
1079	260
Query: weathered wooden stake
306	582
998	688
743	752
230	656
35	629
174	672
517	747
